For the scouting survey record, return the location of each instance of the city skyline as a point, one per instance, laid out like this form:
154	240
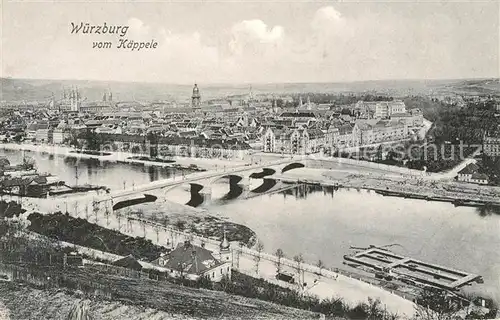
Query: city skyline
220	43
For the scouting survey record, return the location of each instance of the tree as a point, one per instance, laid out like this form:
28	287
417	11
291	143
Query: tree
4	162
73	139
205	282
226	284
180	224
165	221
436	304
95	209
239	252
379	154
299	260
29	163
320	265
259	247
152	139
280	254
107	215
93	140
119	216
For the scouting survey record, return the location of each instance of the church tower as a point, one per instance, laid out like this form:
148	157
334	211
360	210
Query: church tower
196	97
225	248
75	99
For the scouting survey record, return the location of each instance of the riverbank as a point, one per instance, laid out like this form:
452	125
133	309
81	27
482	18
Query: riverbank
402	186
126	157
458	194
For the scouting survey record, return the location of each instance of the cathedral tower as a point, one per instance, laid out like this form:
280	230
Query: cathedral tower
196	97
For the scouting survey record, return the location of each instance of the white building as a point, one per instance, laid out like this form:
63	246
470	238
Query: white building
194	262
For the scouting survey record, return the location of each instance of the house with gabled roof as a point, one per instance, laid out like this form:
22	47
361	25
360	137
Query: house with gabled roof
471	174
194	262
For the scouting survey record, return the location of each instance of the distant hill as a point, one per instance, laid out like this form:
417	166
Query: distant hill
39	90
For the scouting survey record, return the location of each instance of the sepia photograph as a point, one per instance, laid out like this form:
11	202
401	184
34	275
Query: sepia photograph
249	159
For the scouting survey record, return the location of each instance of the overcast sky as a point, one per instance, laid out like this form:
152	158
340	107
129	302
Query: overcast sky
254	42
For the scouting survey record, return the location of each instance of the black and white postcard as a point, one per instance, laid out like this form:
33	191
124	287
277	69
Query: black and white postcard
249	159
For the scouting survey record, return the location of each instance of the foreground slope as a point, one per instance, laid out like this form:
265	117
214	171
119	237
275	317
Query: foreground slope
21	302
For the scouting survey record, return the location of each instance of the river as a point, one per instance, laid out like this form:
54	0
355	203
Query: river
74	170
321	223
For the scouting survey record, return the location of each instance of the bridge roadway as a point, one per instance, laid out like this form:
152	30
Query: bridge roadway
194	177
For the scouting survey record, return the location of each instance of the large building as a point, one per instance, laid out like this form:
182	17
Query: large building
71	101
491	143
44	132
412	118
384	109
348	136
293	141
380	109
373	131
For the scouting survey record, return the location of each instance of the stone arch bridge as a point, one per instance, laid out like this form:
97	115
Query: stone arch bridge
199	184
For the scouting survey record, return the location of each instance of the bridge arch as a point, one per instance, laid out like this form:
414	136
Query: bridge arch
291	166
233	178
130	202
264	173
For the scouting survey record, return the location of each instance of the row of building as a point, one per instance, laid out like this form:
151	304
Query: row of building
263	125
308	132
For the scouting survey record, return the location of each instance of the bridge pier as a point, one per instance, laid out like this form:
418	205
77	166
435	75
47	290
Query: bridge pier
206	193
245	185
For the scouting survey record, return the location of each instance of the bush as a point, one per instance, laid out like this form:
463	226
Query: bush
10	209
81	232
